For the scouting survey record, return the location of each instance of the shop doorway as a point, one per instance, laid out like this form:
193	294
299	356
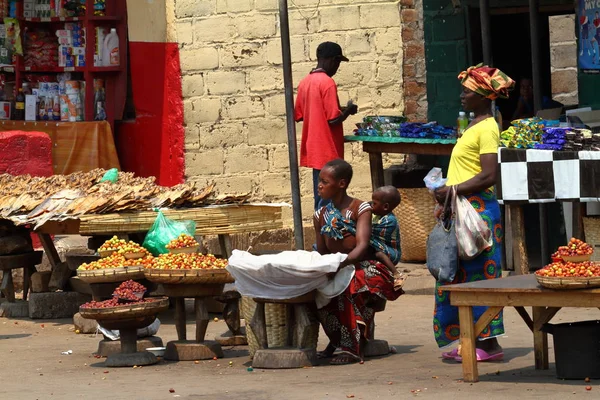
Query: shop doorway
511	49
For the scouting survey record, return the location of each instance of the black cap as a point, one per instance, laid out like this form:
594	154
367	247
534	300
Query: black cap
330	50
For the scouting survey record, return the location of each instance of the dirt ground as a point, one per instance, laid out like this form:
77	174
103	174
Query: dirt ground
33	367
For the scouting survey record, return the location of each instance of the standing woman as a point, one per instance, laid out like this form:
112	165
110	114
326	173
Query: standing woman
473	171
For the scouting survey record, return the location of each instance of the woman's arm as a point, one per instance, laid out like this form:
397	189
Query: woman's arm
321	246
363	235
483	180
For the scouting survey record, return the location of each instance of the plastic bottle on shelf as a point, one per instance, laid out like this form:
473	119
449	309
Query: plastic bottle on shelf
110	56
471	116
19	106
56	109
461	123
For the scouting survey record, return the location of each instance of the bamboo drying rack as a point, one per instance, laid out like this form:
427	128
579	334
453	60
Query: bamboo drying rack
213	220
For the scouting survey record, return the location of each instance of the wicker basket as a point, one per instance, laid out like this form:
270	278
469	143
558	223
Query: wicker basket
127	311
185	250
106	253
568	283
109	275
277	329
188	276
577	259
591	226
134	256
415	217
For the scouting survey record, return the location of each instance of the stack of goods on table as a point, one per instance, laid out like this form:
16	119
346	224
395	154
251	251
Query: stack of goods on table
183	265
525	133
399	127
121	260
35	200
536	133
571	268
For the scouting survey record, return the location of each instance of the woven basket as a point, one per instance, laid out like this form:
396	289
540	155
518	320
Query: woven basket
185	250
109	275
591	227
568	283
127	311
415	217
188	276
277	329
106	253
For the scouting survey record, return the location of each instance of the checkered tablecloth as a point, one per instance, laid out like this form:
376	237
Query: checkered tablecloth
545	176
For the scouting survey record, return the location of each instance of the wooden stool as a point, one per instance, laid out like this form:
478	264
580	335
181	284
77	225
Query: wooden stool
199	349
375	347
27	261
236	336
298	352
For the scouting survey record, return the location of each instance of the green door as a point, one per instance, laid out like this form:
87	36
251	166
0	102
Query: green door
445	56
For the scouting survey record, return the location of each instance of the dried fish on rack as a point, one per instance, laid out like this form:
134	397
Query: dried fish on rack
36	200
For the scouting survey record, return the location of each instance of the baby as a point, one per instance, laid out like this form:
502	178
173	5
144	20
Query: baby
385	239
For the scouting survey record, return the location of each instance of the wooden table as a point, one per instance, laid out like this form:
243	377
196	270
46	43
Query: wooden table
376	148
518	292
213	220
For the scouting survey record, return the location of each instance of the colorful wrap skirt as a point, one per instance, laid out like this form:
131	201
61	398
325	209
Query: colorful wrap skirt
485	266
342	317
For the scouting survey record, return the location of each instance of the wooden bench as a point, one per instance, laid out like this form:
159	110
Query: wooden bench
27	261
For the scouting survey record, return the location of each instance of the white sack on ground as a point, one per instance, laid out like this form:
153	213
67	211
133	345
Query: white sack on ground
288	274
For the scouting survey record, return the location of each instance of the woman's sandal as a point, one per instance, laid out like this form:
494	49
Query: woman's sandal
327	353
321	355
344	359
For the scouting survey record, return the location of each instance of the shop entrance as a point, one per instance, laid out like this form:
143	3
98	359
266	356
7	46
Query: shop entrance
511	50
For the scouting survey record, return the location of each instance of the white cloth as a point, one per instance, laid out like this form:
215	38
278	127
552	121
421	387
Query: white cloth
289	274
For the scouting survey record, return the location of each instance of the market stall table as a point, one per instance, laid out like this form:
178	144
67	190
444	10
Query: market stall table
220	220
198	284
127	320
76	146
545	176
376	146
515	291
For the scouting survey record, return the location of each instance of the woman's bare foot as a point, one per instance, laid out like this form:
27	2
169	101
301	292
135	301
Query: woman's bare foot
490	346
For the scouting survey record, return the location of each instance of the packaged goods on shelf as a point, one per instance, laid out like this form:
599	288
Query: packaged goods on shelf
99	7
30	108
3	8
5	110
40	50
99	46
5	47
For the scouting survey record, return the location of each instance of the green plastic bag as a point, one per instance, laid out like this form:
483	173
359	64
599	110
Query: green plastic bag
163	231
112	175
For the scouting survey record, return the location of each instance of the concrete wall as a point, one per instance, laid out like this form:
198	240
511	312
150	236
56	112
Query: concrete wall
563	50
232	83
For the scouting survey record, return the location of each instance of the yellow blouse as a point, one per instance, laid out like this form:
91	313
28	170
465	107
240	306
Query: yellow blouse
482	138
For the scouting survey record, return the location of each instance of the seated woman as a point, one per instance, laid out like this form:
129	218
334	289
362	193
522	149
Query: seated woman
344	225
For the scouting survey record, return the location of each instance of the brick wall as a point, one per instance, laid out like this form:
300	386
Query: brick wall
233	87
413	65
563	50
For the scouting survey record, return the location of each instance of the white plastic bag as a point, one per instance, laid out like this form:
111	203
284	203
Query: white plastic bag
434	179
285	275
472	232
150	330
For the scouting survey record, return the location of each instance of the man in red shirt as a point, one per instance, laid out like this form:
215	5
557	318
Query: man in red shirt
318	106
